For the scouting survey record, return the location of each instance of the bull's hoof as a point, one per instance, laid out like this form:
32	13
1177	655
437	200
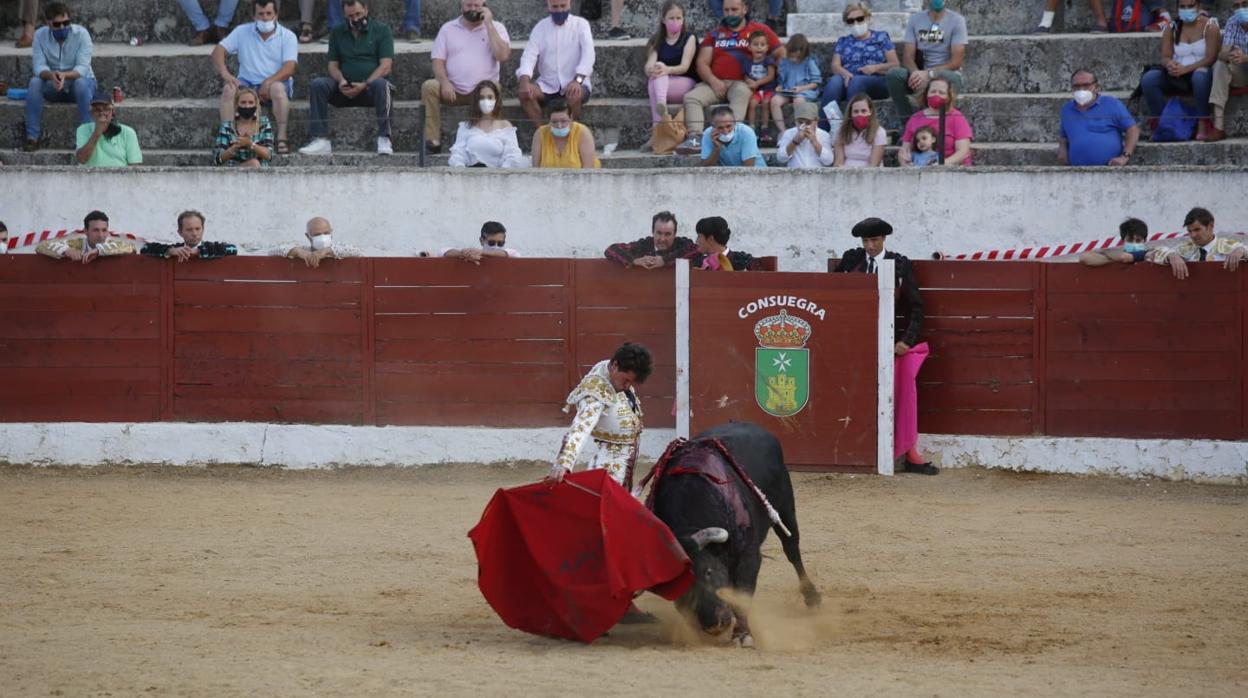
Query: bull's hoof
745	641
813	599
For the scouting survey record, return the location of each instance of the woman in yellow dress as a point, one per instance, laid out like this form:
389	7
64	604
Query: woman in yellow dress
563	142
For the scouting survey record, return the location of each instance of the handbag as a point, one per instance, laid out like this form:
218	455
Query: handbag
1177	122
669	132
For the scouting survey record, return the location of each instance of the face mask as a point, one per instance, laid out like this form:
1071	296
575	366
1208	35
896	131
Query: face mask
321	242
112	131
860	29
860	122
60	34
1083	97
936	5
266	27
560	132
935	101
360	24
1134	246
245	113
673	26
474	15
1241	15
486	106
559	17
732	22
1188	15
727	137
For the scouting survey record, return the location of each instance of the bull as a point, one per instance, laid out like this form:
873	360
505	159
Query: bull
722	523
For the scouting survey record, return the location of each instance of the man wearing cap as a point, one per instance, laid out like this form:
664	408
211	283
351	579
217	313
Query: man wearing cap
909	351
103	142
805	146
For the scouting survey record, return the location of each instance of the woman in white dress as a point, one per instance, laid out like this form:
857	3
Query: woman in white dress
486	139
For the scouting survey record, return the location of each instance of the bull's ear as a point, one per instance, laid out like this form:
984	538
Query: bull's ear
709	535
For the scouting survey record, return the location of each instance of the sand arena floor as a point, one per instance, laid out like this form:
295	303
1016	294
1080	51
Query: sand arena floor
229	581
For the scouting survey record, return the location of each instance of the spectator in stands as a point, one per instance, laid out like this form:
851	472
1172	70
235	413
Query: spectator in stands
191	230
321	245
721	63
247	139
1189	48
908	350
861	140
4	238
26	12
209	32
1134	235
493	244
103	142
268	56
1050	10
1231	69
669	60
361	56
561	51
465	55
1201	245
937	37
726	143
61	63
661	248
798	78
957	145
713	253
92	243
774	7
805	146
760	77
1096	128
486	139
563	142
862	59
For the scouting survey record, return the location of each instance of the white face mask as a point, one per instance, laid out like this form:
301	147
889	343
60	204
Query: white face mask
4	245
486	106
266	27
726	137
1084	97
321	242
860	29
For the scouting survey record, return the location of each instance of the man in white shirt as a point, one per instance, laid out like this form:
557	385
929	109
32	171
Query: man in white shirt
467	51
561	50
805	146
268	56
493	244
320	246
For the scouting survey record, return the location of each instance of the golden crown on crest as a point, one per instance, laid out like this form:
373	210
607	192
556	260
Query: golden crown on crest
782	331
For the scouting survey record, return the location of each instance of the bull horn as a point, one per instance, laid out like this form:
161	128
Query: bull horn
709	535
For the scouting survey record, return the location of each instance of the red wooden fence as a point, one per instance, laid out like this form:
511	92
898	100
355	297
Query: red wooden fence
1017	348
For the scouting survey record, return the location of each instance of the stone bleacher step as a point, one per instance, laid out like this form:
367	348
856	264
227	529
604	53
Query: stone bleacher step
831	25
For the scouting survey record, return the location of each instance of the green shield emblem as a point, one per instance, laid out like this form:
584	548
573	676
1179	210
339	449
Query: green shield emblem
781	380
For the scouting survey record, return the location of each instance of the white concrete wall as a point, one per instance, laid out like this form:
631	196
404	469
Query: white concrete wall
305	446
799	217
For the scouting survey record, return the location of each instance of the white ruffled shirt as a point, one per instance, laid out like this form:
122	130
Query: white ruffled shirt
497	148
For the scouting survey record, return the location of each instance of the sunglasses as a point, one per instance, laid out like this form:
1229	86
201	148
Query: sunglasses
495	243
60	25
856	20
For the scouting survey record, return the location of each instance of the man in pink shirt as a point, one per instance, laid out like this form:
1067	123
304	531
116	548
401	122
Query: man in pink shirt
561	50
468	50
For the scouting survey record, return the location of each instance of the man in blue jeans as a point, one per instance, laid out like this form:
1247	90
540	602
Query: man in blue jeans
61	62
411	18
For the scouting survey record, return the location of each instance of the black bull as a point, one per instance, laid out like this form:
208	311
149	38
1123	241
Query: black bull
722	524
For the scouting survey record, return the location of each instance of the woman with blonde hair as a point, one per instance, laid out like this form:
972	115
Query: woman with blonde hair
247	140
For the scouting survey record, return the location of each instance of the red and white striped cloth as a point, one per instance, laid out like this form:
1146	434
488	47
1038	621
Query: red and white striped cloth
35	237
1046	251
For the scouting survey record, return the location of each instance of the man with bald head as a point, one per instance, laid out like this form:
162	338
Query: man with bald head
320	246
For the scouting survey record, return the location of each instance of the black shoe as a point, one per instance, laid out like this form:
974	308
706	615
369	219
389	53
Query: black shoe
922	468
433	148
618	33
31	145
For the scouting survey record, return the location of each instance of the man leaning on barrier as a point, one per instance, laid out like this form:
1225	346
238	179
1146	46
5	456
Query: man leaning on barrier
661	248
320	245
1201	245
93	243
193	245
493	244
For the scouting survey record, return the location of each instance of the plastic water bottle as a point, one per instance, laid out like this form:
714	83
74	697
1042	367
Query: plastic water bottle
118	95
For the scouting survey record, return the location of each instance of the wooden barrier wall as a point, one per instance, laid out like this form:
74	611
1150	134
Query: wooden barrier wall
1017	347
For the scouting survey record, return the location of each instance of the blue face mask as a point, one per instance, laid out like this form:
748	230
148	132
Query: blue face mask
1188	15
936	5
1241	15
60	34
560	132
1134	246
559	17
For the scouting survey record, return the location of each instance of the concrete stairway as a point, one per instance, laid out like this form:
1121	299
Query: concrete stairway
822	18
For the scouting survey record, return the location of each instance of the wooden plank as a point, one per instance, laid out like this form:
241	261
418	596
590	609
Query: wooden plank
368	324
263	373
263	346
975	275
272	393
271	268
397	271
467	414
21	324
1202	424
1117	335
1025	326
1157	307
261	294
115	297
96	353
1117	279
461	383
594	348
1142	366
78	382
974	396
469	299
268	320
476	351
1129	396
977	422
979	343
281	411
37	269
976	369
626	320
791	281
463	327
99	408
612	287
978	303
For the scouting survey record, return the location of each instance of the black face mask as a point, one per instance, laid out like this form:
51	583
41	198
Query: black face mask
113	130
360	25
473	15
246	113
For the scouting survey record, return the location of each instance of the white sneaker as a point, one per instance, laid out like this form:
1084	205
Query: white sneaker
384	147
318	146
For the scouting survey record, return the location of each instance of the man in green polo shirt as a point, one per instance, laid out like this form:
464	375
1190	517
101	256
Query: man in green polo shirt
102	142
361	56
